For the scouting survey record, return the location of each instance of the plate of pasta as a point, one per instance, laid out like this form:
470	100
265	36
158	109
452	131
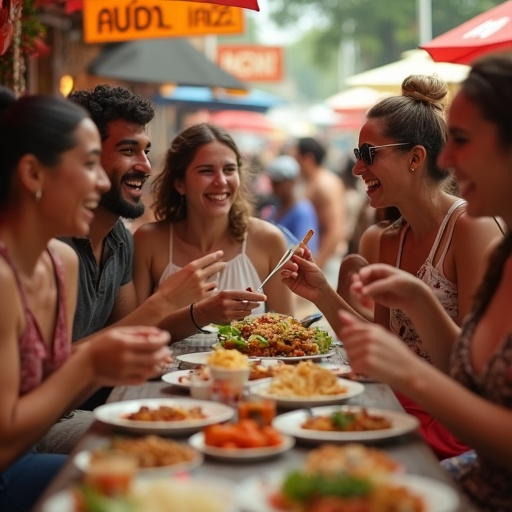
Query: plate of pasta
166	416
345	423
306	384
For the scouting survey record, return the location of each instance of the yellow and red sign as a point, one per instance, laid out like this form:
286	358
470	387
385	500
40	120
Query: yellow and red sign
252	63
127	20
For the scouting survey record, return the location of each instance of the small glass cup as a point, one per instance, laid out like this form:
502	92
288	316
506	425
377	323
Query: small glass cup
228	383
263	411
112	475
200	387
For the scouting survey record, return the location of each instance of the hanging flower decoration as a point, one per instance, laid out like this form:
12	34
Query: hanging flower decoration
19	30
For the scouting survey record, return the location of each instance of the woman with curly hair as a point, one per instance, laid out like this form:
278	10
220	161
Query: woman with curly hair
203	204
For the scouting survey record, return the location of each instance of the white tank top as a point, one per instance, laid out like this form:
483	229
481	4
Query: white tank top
445	290
239	273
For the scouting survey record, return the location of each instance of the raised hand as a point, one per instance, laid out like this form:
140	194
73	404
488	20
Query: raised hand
303	276
387	285
227	305
127	355
376	352
192	283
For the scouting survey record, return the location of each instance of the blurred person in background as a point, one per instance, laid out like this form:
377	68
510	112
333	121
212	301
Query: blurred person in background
434	239
297	215
203	204
52	176
326	191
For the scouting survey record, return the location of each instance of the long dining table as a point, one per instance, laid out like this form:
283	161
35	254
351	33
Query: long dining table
410	450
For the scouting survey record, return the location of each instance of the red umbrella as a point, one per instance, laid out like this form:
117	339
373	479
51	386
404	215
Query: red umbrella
242	121
76	5
488	32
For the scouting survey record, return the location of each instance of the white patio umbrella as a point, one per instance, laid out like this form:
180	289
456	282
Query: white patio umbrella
388	78
355	98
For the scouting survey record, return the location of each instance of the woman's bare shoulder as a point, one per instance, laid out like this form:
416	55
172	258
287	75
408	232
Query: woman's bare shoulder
151	231
370	244
261	230
66	253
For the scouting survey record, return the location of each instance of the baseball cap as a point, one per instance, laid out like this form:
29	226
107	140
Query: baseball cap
283	168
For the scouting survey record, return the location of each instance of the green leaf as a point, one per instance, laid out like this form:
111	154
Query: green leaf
259	339
342	419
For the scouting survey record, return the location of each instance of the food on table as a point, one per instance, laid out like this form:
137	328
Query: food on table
166	413
352	477
228	359
112	475
305	379
273	335
260	410
347	421
151	495
202	373
242	435
148	451
259	371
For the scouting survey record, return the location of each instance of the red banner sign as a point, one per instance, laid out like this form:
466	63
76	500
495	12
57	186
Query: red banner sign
252	63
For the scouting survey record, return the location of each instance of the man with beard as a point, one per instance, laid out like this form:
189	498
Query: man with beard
106	293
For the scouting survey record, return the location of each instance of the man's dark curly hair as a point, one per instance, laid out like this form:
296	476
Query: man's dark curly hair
106	103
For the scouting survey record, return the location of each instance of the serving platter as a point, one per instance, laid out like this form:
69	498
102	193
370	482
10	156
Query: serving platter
290	423
254	494
240	454
82	461
201	358
114	414
352	389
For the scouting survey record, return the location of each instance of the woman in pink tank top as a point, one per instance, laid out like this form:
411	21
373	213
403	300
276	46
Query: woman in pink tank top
52	182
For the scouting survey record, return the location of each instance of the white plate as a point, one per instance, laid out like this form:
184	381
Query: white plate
180	378
290	423
202	357
330	353
240	454
353	389
174	379
113	415
209	494
82	461
338	369
195	357
253	494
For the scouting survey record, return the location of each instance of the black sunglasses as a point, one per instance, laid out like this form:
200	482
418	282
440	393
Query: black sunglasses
366	152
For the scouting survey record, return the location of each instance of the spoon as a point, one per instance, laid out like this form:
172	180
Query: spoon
309	320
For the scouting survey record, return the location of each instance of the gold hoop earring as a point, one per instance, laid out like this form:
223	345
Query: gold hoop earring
39	194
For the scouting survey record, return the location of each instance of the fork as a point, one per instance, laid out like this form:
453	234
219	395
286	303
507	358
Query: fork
286	257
